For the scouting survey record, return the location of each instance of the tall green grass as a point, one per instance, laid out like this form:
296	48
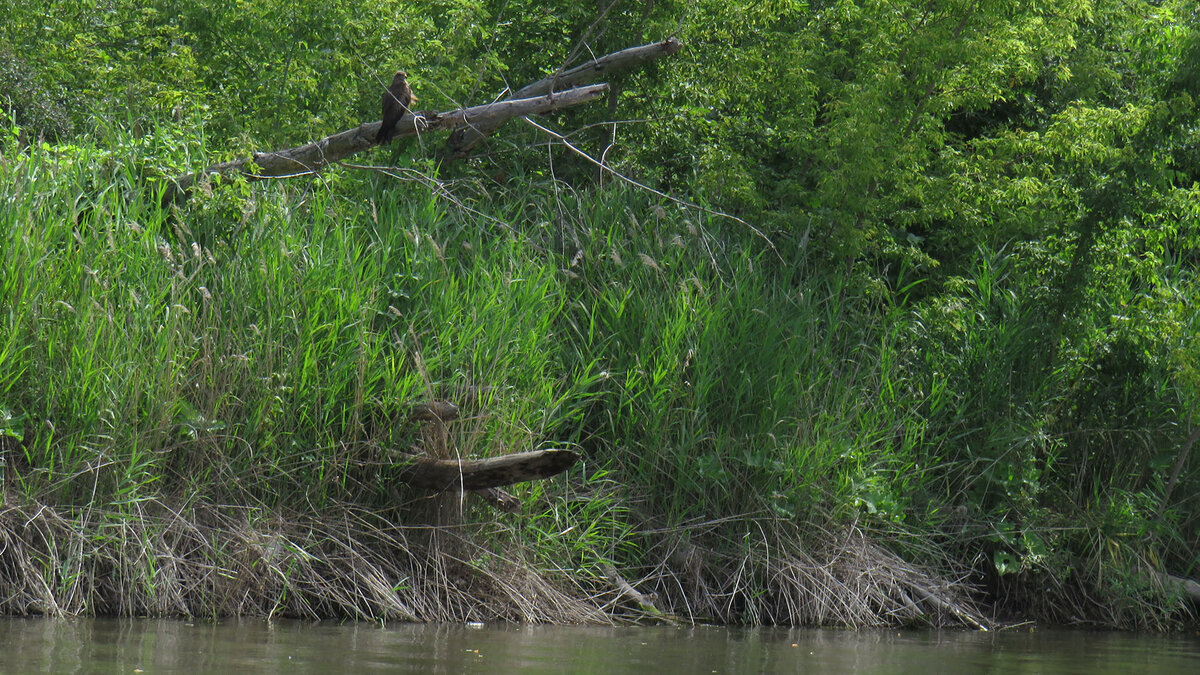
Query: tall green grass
259	342
262	346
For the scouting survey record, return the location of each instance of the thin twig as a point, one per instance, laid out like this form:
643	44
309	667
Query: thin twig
581	41
563	139
438	187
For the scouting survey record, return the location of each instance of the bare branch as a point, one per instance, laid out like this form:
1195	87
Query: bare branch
469	125
463	140
314	156
605	167
439	187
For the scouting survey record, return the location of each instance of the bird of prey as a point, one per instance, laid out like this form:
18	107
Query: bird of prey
396	100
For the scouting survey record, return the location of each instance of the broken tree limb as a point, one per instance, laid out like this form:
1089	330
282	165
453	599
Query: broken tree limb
498	499
455	475
312	157
464	139
645	602
1179	464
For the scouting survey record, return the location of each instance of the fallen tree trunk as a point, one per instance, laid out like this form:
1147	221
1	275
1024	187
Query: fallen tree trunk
314	156
478	474
466	138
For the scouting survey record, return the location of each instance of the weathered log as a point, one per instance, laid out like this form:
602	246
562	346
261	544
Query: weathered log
312	157
440	475
466	138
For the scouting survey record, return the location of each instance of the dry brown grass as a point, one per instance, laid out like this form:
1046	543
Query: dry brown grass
154	559
791	575
205	560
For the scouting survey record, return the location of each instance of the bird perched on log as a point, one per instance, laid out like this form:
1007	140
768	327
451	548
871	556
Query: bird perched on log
396	100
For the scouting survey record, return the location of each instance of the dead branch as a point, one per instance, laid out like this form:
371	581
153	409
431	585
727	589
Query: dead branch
463	140
1179	464
645	602
498	499
312	157
606	167
468	125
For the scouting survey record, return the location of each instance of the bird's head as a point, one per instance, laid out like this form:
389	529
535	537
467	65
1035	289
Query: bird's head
400	76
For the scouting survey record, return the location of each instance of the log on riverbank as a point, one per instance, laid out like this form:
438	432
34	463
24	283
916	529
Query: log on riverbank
441	475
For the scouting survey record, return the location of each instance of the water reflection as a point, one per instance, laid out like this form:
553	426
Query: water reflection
127	646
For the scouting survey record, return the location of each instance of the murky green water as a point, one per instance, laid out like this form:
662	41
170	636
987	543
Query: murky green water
128	646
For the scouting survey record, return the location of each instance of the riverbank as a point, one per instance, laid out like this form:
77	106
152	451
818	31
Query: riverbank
204	561
205	412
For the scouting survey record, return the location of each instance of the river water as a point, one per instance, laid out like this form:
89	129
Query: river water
291	647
